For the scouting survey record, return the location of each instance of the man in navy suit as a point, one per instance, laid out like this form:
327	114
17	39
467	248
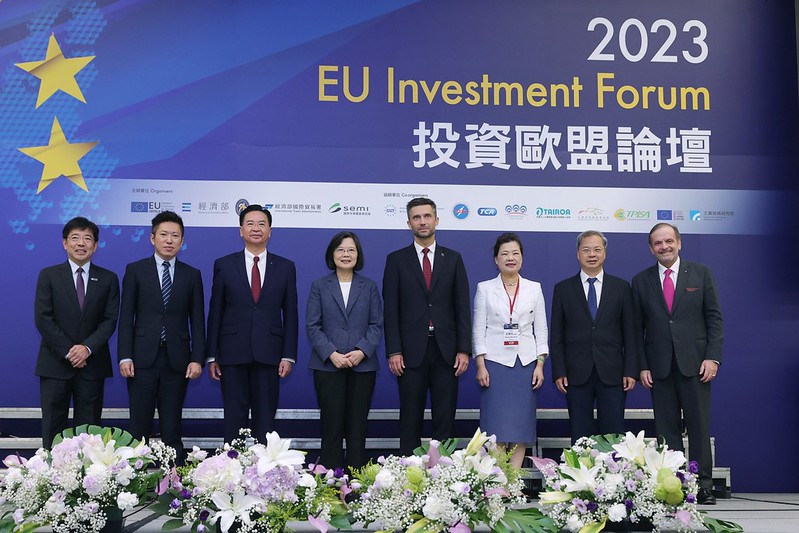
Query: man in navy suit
161	341
252	327
679	318
593	343
428	326
76	309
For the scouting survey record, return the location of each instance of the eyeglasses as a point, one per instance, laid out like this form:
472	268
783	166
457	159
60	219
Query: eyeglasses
348	251
587	251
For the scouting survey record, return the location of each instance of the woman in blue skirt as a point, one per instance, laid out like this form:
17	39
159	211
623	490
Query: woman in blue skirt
510	347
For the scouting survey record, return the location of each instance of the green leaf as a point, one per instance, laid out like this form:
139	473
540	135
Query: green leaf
721	526
572	458
604	443
528	520
340	522
169	525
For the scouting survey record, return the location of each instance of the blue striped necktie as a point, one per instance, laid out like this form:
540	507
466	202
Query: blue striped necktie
166	290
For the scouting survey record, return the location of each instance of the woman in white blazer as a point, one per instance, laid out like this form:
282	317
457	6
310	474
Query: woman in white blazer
509	337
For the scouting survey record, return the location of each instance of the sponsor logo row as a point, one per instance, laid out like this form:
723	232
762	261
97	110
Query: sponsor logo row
460	211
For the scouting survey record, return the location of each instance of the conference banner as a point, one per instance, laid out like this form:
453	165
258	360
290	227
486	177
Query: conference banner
541	117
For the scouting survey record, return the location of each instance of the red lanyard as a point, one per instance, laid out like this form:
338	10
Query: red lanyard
512	302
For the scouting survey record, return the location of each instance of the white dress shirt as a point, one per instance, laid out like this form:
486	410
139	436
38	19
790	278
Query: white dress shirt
159	263
675	269
248	261
430	255
597	285
85	274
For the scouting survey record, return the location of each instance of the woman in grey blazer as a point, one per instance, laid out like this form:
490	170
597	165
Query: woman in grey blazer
344	322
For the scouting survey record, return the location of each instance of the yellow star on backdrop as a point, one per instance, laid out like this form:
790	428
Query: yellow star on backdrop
56	72
60	158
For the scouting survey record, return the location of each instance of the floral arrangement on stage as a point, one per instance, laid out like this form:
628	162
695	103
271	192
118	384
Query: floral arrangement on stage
89	477
440	489
249	488
622	478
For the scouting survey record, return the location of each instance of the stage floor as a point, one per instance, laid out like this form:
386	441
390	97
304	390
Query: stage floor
757	513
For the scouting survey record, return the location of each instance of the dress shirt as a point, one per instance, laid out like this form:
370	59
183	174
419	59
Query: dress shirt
159	263
248	261
597	285
430	255
675	268
85	274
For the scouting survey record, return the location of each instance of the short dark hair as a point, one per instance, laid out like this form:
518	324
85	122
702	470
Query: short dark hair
592	233
336	241
663	225
505	238
167	216
80	223
416	202
255	207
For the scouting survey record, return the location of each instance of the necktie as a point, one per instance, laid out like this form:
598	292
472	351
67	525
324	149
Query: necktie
427	268
256	280
80	287
668	289
166	290
592	303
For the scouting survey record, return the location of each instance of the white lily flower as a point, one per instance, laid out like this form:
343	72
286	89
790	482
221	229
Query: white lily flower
656	460
478	439
553	497
277	452
582	478
231	509
632	447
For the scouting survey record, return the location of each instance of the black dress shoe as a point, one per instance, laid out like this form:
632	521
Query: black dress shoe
705	497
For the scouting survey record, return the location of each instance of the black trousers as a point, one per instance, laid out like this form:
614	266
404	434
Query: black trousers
344	398
158	387
676	393
55	394
609	406
438	376
252	387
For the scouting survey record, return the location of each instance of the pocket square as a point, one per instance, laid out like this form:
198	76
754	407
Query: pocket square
691	289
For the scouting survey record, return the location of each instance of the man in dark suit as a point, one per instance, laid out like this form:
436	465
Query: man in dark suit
682	332
252	327
161	341
593	342
427	326
76	310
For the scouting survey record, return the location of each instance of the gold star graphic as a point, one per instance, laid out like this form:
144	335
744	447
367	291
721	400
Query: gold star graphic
56	72
60	158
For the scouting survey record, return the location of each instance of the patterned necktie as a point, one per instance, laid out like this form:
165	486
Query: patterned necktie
592	303
668	289
427	268
166	290
256	280
80	287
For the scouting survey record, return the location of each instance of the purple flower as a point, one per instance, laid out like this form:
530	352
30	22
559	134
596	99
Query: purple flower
185	494
628	503
580	505
690	498
407	493
232	453
204	514
680	476
338	472
631	485
174	504
693	467
599	491
139	464
591	506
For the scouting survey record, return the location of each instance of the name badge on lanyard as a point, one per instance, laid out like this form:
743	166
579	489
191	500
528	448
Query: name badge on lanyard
511	330
511	334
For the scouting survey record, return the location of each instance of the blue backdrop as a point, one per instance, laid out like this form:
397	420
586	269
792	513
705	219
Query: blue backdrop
542	117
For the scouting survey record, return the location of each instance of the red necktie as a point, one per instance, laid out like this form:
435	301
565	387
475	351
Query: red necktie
256	280
668	289
427	269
